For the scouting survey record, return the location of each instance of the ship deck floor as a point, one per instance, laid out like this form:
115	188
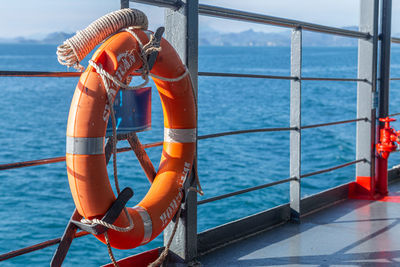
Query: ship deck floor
351	233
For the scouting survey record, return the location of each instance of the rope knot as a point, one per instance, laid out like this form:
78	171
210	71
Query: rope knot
152	46
111	226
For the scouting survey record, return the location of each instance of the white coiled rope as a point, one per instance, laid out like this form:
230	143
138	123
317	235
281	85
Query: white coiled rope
76	48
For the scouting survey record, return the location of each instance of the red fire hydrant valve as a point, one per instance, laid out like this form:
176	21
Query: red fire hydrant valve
388	139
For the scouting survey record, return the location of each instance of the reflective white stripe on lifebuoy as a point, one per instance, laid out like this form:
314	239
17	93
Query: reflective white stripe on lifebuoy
85	145
180	135
147	223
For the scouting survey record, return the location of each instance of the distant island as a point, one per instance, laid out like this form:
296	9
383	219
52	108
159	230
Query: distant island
51	38
211	37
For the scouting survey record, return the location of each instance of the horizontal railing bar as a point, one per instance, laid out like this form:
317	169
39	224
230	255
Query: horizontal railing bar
38	74
239	75
394	114
395	79
60	159
282	129
227	13
246	131
12	73
77	74
396	40
31	163
259	76
244	191
277	21
332	123
333	168
211	74
333	79
35	247
276	183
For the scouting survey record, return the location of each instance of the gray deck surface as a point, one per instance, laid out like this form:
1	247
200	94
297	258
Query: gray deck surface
352	233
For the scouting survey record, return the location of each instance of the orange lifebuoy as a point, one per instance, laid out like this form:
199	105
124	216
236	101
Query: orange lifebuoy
87	122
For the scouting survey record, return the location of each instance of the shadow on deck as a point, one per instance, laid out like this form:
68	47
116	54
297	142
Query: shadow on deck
351	233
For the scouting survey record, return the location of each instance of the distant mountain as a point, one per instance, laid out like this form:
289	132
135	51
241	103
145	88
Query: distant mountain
245	38
52	38
323	39
209	37
57	37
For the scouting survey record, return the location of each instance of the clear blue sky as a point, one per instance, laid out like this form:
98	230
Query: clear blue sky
37	18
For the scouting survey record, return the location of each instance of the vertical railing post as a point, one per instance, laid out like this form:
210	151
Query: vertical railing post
182	32
366	103
384	80
295	121
124	4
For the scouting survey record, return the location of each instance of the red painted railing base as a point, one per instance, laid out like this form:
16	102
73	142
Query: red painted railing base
382	181
363	188
142	259
147	257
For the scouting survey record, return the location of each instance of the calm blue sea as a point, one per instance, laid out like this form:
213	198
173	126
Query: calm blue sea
36	202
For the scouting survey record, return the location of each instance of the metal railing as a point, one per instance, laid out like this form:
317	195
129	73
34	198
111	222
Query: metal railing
366	81
39	162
